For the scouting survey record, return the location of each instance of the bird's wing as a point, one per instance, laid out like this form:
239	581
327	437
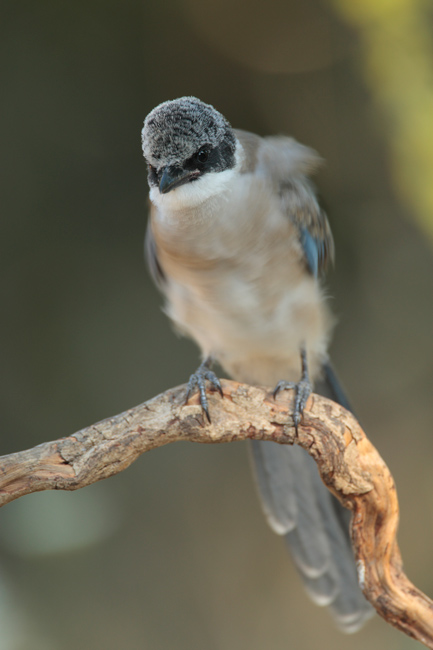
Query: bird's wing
287	165
290	167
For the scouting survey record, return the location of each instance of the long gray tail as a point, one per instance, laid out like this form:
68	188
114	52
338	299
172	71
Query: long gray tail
315	526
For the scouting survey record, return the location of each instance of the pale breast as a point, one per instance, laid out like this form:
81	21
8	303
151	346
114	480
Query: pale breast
239	287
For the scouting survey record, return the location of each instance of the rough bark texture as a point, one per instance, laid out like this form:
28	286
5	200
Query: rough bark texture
348	463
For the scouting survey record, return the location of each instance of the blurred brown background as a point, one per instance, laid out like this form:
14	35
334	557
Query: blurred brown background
175	553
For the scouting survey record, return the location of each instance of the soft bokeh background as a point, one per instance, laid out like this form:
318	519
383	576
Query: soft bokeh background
175	553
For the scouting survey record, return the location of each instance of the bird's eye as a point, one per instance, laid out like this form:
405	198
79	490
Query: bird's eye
202	155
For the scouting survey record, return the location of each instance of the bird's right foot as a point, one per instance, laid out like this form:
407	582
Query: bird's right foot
198	381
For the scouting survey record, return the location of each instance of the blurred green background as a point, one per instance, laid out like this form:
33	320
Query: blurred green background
175	553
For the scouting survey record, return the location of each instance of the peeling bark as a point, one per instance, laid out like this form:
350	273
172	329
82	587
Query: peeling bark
348	463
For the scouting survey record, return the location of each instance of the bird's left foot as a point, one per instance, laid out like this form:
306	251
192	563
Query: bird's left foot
302	388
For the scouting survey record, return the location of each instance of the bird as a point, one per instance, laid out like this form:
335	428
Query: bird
238	243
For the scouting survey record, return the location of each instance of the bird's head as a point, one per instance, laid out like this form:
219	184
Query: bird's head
190	150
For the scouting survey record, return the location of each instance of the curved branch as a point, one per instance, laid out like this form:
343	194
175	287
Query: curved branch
348	463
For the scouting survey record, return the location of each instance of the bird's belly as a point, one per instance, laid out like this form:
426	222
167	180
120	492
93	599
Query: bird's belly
255	332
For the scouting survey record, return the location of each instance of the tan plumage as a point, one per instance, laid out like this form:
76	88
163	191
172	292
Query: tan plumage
237	281
236	245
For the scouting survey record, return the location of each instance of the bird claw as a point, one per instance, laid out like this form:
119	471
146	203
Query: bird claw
302	388
198	381
283	385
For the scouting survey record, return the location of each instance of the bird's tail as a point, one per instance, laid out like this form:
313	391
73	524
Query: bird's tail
314	524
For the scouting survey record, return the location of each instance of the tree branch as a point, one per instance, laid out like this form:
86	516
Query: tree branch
348	463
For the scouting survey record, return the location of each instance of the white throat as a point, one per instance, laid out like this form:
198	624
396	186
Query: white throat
196	192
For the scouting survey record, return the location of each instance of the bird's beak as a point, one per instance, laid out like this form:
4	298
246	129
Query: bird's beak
173	177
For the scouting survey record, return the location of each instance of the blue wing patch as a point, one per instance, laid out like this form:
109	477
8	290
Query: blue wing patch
313	250
301	206
318	247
